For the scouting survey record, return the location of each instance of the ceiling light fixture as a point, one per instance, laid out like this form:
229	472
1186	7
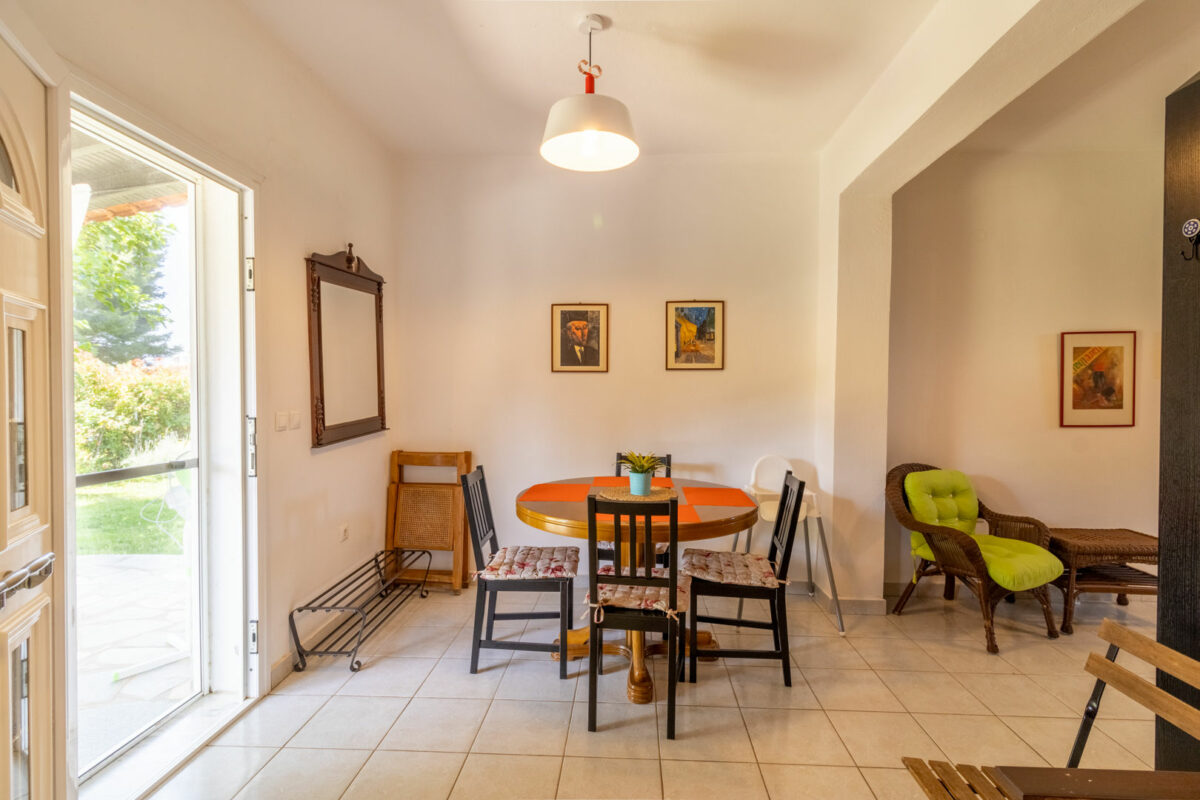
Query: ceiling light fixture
589	132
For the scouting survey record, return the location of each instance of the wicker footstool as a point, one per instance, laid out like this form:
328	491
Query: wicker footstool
1096	560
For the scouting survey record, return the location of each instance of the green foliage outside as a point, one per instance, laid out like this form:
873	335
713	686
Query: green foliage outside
124	409
127	401
119	315
127	517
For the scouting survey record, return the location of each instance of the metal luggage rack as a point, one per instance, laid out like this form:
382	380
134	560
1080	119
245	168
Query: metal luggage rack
366	598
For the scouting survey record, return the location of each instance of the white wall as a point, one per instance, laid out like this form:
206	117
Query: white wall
994	255
487	245
207	78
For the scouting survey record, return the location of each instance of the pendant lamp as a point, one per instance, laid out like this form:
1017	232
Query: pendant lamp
589	132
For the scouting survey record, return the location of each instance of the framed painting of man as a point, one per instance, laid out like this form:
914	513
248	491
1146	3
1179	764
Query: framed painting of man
579	337
1096	379
695	334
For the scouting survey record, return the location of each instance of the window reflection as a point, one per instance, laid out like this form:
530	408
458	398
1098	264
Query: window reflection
20	722
18	468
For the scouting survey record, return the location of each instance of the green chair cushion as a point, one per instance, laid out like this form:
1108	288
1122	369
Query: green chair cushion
945	497
1017	565
940	497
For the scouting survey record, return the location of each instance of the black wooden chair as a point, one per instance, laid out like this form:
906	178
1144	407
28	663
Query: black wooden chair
637	596
663	556
749	576
515	569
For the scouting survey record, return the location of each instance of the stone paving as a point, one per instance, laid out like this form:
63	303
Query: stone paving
134	645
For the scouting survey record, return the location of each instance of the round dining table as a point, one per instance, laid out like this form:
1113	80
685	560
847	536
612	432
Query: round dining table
706	511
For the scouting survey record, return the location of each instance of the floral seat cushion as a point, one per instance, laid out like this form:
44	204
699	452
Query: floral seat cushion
529	563
646	598
722	566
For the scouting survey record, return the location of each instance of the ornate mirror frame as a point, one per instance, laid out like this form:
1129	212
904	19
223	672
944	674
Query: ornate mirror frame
349	271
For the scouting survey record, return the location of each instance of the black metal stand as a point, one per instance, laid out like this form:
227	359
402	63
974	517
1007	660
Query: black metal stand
366	598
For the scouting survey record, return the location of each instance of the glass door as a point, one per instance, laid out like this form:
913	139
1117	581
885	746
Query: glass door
139	534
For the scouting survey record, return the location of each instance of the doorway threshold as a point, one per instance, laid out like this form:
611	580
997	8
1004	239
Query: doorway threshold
144	766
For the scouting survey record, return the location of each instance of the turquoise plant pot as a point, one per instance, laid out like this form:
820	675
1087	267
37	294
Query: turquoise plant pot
639	483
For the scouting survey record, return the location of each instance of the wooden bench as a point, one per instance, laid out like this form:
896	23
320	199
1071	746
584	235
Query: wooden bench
942	781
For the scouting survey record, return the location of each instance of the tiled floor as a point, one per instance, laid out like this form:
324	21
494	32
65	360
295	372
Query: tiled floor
414	723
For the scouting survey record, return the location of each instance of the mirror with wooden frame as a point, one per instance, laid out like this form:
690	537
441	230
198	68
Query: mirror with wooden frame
345	346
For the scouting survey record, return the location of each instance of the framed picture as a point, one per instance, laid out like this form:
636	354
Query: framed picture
579	337
695	334
1096	379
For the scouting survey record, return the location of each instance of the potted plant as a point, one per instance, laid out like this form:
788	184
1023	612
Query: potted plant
641	469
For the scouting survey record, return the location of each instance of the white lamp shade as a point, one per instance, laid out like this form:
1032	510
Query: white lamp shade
589	133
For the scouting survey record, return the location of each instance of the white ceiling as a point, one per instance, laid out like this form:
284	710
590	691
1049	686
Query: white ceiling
699	76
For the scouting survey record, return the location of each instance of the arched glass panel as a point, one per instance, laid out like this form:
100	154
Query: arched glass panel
7	176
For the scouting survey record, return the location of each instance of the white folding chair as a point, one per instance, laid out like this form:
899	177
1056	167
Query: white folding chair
766	479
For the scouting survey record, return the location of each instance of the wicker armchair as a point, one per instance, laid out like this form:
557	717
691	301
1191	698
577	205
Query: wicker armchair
957	555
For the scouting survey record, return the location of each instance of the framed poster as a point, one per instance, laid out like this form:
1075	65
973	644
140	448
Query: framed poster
1096	379
579	337
695	334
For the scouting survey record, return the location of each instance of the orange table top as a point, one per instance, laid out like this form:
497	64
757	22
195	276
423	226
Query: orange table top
706	510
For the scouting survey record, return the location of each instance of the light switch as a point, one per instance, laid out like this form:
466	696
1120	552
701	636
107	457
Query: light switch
281	420
294	420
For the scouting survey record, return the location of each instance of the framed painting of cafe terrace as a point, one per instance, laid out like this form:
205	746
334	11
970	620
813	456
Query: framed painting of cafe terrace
695	334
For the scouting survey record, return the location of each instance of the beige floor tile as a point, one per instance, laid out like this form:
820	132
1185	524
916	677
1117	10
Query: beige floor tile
716	781
311	774
434	613
1035	658
539	632
1053	739
389	677
712	686
967	656
452	678
1135	735
930	619
818	624
970	739
876	739
461	646
745	641
623	730
538	680
762	687
524	727
892	784
323	675
216	773
831	652
1014	695
272	721
851	690
874	626
350	723
412	642
894	654
436	724
587	778
931	692
423	776
705	734
610	685
522	777
785	736
1075	690
787	782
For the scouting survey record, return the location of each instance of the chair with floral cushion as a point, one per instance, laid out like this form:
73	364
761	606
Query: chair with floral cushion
941	510
519	568
637	596
605	551
748	576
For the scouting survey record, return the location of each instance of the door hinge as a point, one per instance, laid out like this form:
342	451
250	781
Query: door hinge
252	446
253	636
250	274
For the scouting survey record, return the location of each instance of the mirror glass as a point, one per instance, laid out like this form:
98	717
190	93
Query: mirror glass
348	354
